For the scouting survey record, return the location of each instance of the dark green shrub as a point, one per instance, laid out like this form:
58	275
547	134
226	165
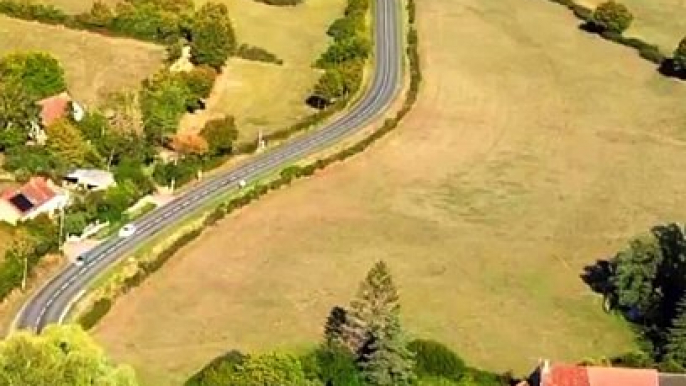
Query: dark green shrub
612	17
280	3
679	56
435	359
652	53
331	366
259	54
97	311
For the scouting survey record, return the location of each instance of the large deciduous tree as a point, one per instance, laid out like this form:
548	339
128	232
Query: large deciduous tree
67	144
39	74
164	99
61	355
212	37
220	135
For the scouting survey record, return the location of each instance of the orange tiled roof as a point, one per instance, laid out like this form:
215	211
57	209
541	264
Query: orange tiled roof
53	108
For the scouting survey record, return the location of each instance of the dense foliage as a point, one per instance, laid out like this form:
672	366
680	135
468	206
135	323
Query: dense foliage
647	282
434	359
60	355
612	17
39	74
212	36
343	61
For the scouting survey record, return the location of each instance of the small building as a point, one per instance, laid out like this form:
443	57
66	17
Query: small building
53	109
89	179
36	197
572	375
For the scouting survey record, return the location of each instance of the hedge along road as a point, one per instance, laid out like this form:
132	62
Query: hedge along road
51	302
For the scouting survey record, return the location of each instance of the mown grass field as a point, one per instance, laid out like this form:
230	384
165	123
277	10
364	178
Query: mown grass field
534	149
265	96
94	65
655	21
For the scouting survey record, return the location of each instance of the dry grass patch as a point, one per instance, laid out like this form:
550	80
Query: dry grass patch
95	65
266	96
656	21
533	151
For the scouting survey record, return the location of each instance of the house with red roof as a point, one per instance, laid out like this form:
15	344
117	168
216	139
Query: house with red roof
52	109
560	374
38	196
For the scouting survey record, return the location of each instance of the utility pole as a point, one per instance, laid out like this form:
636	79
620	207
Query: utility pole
25	273
59	240
261	145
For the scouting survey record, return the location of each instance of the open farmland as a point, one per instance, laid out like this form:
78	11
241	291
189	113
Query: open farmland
533	150
266	96
655	21
95	65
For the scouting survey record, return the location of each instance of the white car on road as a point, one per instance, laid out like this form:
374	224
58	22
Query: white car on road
127	230
79	260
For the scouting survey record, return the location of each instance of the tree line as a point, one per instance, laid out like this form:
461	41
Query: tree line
363	344
646	283
611	19
343	61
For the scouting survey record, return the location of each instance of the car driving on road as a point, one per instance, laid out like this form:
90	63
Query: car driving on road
127	230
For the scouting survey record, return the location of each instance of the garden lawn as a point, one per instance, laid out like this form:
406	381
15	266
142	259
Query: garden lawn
265	96
655	21
95	65
534	149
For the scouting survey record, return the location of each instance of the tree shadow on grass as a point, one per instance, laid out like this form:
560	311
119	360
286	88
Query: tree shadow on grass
598	277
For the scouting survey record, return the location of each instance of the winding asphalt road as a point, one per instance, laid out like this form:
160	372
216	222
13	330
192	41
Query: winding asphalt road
52	301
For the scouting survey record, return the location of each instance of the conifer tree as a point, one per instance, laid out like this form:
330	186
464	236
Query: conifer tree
386	359
376	301
675	349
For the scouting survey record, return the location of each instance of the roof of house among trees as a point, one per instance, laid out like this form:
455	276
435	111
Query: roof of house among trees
573	375
54	108
31	195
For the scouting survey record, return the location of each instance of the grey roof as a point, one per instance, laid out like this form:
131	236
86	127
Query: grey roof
92	177
672	379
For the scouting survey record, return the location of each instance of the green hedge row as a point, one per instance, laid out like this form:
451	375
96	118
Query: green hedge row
286	177
650	52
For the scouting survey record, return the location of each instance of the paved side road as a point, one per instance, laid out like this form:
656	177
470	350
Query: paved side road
52	301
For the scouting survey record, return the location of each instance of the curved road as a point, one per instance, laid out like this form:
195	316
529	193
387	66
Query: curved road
53	300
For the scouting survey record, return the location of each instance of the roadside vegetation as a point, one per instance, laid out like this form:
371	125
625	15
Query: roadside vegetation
131	132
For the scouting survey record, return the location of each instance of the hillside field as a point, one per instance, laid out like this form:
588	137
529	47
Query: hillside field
94	65
534	150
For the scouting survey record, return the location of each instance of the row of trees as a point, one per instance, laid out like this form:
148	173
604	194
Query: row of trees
646	282
611	19
363	345
343	61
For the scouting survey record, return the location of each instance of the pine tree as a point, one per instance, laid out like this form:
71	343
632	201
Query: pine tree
386	359
376	301
675	349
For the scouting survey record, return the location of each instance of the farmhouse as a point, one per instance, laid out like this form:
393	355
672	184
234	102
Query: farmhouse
572	375
36	197
89	179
